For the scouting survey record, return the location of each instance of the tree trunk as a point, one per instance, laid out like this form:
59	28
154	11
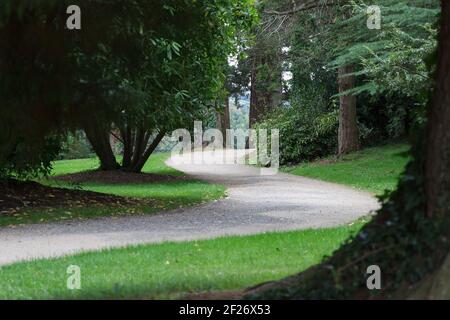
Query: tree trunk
223	120
99	139
348	128
226	116
140	144
437	162
148	152
435	286
270	96
128	144
255	100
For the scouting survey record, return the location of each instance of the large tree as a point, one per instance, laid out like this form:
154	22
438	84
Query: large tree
136	68
33	85
317	20
264	62
166	72
336	29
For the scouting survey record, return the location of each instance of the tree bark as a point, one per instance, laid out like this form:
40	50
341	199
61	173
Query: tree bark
255	105
140	144
223	120
435	286
348	138
437	161
148	152
128	144
226	116
99	139
263	101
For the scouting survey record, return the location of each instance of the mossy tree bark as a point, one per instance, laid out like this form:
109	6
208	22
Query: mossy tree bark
99	138
437	174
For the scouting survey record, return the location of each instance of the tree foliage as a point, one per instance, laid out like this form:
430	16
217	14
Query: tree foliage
140	67
392	78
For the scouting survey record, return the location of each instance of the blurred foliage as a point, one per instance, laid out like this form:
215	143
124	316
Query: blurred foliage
76	146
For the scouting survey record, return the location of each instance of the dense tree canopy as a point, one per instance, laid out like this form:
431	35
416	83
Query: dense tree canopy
140	67
359	84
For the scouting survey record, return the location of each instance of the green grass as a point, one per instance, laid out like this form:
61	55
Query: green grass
168	195
170	269
373	169
161	195
154	165
63	167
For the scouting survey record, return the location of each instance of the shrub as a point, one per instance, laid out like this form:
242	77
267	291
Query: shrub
26	160
305	134
76	146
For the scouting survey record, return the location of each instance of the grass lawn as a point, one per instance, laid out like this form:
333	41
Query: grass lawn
168	195
161	195
170	269
373	169
154	165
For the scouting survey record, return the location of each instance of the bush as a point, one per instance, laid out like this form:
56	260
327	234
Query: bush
76	146
305	134
26	160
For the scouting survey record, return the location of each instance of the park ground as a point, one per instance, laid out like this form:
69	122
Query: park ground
75	191
171	270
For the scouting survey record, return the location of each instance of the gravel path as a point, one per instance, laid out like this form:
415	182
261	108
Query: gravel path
255	204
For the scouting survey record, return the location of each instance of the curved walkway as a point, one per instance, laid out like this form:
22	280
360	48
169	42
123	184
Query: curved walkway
255	204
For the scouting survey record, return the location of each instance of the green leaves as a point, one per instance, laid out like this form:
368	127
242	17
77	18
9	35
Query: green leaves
154	63
391	59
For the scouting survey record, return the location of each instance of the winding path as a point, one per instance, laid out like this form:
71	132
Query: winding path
256	204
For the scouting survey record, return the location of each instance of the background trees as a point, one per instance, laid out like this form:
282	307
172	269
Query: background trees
408	239
375	81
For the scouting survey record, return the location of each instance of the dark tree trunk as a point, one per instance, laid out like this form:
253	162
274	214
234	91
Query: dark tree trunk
437	160
128	144
255	99
265	94
148	152
262	101
437	163
140	144
348	139
226	116
99	138
223	120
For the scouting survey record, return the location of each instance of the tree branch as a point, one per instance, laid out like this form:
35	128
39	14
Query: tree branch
303	7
